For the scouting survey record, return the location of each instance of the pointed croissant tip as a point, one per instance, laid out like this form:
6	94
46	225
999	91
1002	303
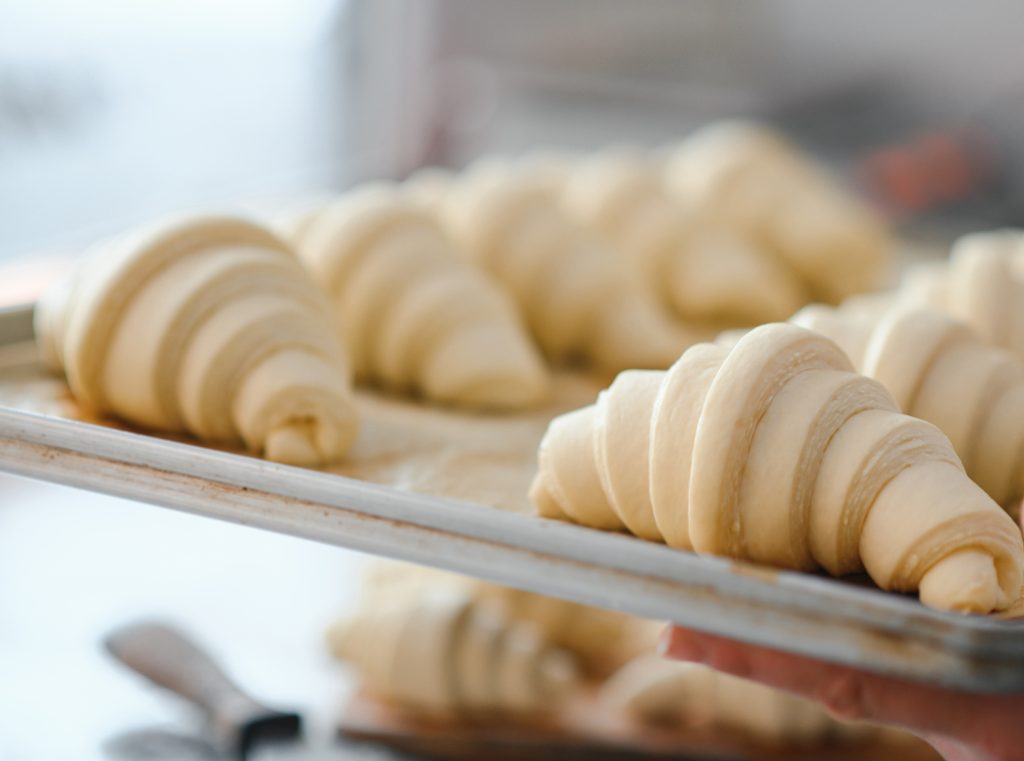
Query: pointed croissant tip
965	582
304	443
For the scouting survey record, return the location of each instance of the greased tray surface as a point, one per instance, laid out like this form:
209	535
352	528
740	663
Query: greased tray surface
449	490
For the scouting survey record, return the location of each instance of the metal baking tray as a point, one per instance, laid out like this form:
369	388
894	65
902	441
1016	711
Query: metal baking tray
803	613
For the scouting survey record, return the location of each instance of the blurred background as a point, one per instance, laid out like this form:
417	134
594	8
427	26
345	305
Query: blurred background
114	111
111	111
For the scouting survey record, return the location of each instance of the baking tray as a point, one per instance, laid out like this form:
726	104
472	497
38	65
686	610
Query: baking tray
410	450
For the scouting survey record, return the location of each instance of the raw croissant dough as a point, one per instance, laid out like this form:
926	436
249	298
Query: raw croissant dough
699	267
206	325
983	285
778	453
413	315
939	370
752	179
601	640
445	653
575	293
654	690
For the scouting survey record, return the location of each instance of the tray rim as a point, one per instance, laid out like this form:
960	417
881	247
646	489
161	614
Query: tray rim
793	611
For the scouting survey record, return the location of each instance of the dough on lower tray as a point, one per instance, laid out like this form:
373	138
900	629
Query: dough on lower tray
445	652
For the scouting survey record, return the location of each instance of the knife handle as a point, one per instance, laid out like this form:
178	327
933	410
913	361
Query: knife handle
168	658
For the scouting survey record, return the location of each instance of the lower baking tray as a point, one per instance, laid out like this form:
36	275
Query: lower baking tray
447	489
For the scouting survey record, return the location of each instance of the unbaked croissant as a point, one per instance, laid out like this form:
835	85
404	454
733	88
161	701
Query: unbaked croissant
700	268
751	178
654	690
601	640
205	325
413	315
940	370
578	298
777	452
983	285
443	652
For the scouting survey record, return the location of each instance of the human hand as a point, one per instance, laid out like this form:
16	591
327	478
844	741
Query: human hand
961	726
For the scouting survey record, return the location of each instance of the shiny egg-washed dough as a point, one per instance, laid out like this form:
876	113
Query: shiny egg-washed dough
655	690
940	370
413	314
205	325
752	179
444	652
777	452
701	268
577	296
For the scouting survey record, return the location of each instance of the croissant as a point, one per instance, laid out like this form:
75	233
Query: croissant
577	296
753	179
445	654
413	315
600	640
940	370
983	285
701	269
777	452
205	325
654	690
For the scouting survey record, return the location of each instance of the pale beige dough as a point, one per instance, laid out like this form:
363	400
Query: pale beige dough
776	451
702	269
444	651
753	180
579	299
940	370
205	325
414	316
600	640
984	286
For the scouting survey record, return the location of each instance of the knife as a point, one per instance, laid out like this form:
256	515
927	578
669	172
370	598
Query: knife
241	728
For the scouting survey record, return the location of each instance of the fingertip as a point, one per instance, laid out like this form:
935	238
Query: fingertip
681	644
842	694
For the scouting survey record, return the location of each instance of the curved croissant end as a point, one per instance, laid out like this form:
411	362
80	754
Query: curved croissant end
205	325
776	452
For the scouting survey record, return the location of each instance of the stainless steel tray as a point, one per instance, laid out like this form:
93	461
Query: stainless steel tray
803	613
